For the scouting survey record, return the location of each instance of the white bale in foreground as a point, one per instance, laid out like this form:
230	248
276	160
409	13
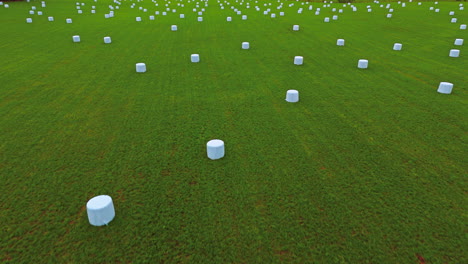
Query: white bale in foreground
76	38
463	26
362	64
298	60
454	53
69	21
140	67
245	45
458	42
397	46
296	27
340	42
445	88
50	19
215	149
292	96
174	27
100	210
195	58
28	20
107	40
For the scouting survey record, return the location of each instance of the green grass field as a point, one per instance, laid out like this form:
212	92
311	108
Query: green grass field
369	166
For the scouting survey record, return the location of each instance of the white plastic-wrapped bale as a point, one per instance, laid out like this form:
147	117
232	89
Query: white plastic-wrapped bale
397	46
140	67
107	40
445	88
76	38
215	149
298	60
174	28
454	53
138	19
28	20
296	27
69	21
340	42
458	42
292	96
245	45
363	64
50	19
195	58
100	210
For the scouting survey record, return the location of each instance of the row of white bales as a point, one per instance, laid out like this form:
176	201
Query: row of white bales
298	60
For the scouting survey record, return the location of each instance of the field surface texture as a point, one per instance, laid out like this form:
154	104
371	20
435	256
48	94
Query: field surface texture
369	166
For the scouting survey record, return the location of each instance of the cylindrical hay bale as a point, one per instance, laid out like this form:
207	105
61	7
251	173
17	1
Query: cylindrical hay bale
174	27
389	15
229	19
463	26
215	149
200	19
28	20
100	210
245	45
138	19
445	88
151	17
80	11
50	19
281	13
335	17
195	58
296	27
106	16
453	20
451	13
397	46
69	20
454	53
244	17
140	67
182	16
93	11
292	96
459	42
298	60
340	42
362	64
31	12
327	19
76	38
107	40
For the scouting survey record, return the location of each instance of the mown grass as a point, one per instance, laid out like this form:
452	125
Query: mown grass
369	167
